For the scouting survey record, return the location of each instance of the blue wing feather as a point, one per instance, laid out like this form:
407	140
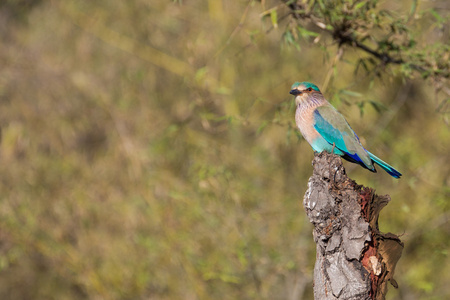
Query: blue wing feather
334	135
328	132
339	136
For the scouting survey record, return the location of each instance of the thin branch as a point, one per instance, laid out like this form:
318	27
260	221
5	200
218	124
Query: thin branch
298	11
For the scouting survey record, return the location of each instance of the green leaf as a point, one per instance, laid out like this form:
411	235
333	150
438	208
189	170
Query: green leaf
378	106
413	8
359	5
290	39
261	127
350	93
321	4
305	33
201	74
274	18
436	16
361	107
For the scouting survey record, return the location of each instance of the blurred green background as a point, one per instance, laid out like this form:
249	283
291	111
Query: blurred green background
149	151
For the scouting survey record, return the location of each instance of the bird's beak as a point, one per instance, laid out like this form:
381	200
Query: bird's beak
295	92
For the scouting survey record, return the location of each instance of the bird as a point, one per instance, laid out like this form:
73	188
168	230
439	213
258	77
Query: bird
325	129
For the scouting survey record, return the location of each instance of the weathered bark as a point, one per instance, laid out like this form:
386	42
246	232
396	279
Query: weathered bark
353	260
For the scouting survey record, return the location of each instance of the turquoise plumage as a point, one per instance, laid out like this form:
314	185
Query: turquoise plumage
327	130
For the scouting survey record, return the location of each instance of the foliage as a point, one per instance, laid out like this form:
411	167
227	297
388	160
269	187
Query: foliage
384	34
149	151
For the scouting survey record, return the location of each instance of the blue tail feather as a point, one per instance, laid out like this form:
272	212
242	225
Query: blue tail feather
389	169
354	158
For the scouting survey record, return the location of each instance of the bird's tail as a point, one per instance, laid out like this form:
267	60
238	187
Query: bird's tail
391	171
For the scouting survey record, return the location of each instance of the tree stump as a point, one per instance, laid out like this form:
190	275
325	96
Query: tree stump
353	259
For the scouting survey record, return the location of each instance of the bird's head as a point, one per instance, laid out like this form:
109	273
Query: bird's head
301	90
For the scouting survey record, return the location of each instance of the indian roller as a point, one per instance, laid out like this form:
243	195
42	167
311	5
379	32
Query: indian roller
326	129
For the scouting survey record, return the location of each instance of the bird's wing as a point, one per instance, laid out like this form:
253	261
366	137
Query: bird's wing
333	127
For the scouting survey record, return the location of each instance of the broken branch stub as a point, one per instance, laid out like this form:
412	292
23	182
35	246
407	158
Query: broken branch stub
353	260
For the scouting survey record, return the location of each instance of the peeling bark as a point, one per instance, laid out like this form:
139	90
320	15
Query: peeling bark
353	259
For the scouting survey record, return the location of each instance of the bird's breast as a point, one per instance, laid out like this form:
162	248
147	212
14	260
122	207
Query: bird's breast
304	119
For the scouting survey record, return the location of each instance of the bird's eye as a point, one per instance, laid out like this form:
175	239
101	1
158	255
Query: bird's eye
309	89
